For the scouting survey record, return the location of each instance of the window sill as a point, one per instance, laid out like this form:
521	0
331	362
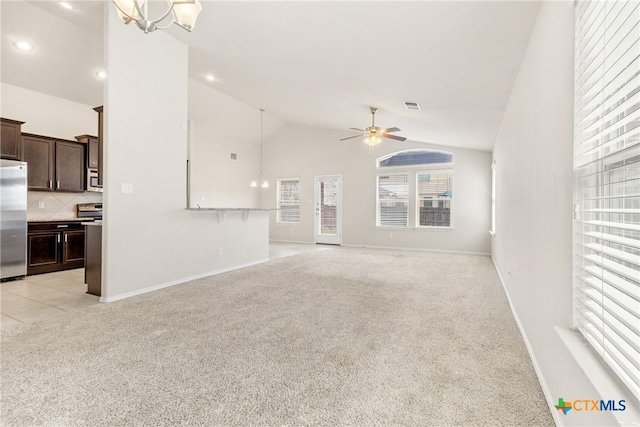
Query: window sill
381	227
604	381
435	228
295	224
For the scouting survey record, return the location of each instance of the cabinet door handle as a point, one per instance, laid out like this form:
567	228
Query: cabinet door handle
58	238
57	184
62	226
65	238
50	184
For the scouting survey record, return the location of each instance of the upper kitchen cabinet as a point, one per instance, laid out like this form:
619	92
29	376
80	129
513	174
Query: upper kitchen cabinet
93	150
53	165
100	112
10	139
70	166
39	153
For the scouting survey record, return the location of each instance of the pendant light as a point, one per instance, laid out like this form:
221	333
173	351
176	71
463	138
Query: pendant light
183	13
263	182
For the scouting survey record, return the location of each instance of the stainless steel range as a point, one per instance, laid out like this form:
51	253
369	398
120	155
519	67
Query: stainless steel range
89	210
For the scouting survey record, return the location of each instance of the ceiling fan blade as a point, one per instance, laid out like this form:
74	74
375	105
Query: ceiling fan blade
359	130
350	137
397	138
390	130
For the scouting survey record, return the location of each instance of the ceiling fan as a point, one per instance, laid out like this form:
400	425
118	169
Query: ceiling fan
374	134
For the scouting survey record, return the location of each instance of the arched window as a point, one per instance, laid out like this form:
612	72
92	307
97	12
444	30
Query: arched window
432	173
414	158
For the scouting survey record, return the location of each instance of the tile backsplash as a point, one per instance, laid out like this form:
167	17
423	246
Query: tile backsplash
51	206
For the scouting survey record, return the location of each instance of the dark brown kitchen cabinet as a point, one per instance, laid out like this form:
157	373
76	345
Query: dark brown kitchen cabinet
73	246
10	146
70	166
100	111
54	246
39	153
93	149
52	164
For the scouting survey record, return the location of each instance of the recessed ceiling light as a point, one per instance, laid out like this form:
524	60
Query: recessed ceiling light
210	77
102	74
66	5
23	45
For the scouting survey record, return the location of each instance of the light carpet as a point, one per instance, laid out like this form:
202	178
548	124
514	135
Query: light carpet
339	337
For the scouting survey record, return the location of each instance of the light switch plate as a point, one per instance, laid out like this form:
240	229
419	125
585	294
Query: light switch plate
127	188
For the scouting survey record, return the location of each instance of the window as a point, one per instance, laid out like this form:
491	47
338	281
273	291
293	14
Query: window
493	198
415	157
393	200
431	190
288	201
434	191
607	184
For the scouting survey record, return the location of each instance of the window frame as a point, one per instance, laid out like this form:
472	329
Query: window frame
390	227
417	201
492	231
413	188
279	182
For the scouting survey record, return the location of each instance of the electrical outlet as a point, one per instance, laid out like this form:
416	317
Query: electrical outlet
219	251
41	204
127	188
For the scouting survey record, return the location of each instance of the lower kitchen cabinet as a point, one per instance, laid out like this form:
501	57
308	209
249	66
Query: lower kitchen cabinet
54	246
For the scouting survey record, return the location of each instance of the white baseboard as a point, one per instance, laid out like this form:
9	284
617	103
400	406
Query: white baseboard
291	241
416	249
536	367
178	282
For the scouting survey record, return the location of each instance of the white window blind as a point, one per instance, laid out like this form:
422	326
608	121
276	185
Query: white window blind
288	201
607	183
393	200
434	191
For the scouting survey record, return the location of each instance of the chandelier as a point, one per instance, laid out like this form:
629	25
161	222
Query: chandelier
184	14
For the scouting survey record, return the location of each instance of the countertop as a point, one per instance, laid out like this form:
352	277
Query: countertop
60	220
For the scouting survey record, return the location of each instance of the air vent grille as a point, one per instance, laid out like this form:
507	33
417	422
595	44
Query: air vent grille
412	105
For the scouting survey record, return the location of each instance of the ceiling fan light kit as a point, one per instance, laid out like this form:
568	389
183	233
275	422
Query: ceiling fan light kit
184	13
373	134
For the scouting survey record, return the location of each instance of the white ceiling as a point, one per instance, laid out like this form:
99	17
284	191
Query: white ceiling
314	63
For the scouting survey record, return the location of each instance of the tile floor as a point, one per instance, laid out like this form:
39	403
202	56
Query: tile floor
39	297
42	296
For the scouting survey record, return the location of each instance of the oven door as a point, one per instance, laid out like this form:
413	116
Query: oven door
92	181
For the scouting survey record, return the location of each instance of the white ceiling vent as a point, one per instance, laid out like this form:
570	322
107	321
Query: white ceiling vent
412	106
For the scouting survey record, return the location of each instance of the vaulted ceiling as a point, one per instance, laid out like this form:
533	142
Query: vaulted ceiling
317	63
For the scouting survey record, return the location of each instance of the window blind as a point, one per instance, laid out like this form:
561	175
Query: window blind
289	201
434	191
393	200
607	183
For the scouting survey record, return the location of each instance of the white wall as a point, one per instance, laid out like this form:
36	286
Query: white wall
221	125
304	152
150	240
533	242
48	115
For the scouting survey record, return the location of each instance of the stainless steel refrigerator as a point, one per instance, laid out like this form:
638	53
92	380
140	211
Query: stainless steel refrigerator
13	219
